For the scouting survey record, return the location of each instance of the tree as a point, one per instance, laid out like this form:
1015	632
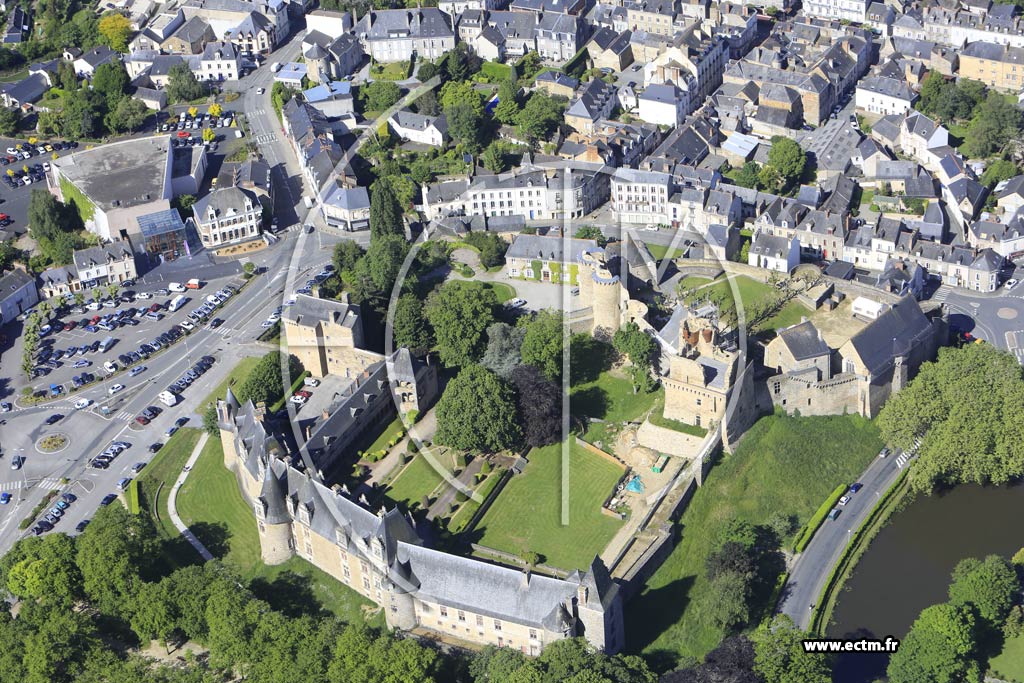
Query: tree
209	135
9	121
748	175
491	247
939	647
456	93
410	327
503	349
384	260
427	103
380	95
265	383
507	108
731	662
43	569
346	253
182	85
542	344
130	114
995	123
787	158
726	602
539	403
115	29
465	125
460	312
493	158
998	171
112	554
989	585
639	347
477	411
591	232
385	212
153	612
215	110
731	556
969	408
779	656
111	81
540	116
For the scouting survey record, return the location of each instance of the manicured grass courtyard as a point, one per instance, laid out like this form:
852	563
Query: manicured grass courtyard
1008	665
527	515
418	479
501	290
395	71
373	452
784	466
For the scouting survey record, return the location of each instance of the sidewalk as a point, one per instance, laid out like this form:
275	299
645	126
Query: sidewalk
172	508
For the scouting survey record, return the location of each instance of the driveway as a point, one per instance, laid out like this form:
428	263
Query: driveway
811	568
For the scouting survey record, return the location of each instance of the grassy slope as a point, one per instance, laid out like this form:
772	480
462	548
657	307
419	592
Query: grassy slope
237	375
165	468
751	290
527	514
784	465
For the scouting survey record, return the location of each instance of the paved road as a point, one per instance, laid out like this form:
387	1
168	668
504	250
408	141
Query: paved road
812	567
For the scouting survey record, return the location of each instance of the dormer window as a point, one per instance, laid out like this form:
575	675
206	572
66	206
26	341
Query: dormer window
304	514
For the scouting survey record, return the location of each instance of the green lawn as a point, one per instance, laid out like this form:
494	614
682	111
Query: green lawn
396	71
237	375
165	468
692	282
611	398
418	479
373	451
213	508
501	290
1008	665
527	514
784	466
211	505
465	513
750	291
661	251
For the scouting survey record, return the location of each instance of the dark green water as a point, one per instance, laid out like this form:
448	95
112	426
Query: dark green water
908	566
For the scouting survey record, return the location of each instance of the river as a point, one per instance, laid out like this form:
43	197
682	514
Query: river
908	566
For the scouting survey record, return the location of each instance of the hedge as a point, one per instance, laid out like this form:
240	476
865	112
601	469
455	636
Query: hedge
818	518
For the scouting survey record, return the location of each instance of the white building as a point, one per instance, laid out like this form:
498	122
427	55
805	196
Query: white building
394	35
228	215
884	96
219	62
347	208
426	130
850	10
663	104
774	252
640	196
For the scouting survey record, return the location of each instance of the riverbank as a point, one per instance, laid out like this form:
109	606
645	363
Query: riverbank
875	522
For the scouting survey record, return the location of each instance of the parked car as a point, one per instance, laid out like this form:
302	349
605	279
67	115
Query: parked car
80	527
108	499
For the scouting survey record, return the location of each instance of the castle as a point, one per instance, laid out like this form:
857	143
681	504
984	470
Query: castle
382	557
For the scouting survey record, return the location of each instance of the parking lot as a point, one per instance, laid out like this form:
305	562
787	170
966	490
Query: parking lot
115	340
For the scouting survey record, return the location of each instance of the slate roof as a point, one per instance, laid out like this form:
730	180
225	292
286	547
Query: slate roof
351	199
545	248
804	341
890	87
893	333
310	310
426	22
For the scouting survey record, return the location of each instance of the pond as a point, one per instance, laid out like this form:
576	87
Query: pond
908	566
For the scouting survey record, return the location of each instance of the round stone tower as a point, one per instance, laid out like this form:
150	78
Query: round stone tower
602	289
274	522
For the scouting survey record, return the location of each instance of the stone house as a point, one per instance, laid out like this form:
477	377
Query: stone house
546	258
327	336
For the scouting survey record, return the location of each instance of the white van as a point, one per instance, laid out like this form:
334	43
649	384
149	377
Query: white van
167	398
176	287
177	302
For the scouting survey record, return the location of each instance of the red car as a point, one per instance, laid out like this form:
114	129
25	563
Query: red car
142	420
154	308
70	325
95	319
303	393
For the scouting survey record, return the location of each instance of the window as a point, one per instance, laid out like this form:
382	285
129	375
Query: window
479	621
444	612
497	625
462	615
533	634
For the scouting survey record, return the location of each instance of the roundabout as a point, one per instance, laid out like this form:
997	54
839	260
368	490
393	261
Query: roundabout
52	443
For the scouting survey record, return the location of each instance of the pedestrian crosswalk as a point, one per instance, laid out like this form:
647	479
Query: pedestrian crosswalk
258	112
124	416
941	294
47	484
265	138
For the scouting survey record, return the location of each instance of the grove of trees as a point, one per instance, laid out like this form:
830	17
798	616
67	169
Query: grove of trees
967	408
88	604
